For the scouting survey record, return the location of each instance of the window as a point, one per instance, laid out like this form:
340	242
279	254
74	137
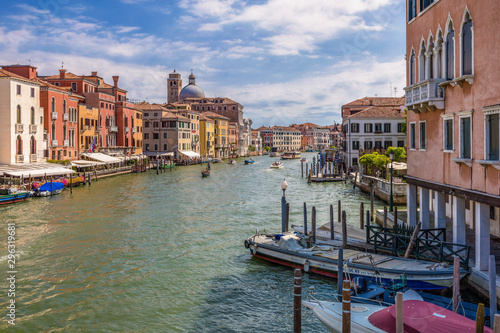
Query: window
413	68
387	144
32	118
19	145
368	128
412	9
355	128
492	137
450	53
146	136
155	137
19	89
164	135
64	106
19	114
465	137
368	145
401	143
413	143
467	46
387	128
73	86
378	144
448	134
32	94
355	145
421	62
422	136
424	4
53	105
147	147
400	127
165	147
146	124
378	128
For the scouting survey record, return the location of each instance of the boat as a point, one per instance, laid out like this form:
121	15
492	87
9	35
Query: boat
290	155
291	249
418	316
217	160
276	165
47	189
13	194
303	159
232	162
249	161
274	154
205	173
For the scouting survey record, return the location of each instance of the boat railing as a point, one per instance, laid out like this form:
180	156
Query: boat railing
334	297
428	245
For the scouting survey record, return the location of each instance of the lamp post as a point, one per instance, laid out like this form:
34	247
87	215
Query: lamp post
391	157
284	185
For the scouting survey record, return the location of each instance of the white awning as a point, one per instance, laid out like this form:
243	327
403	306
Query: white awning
102	158
85	163
34	169
167	154
397	166
189	153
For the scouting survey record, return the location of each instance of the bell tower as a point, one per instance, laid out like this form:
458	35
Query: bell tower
174	86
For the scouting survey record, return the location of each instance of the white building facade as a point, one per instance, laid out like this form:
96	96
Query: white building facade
372	128
21	120
281	138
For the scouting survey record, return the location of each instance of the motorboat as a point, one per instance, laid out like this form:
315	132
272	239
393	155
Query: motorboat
295	250
290	155
276	165
249	161
13	194
231	162
47	189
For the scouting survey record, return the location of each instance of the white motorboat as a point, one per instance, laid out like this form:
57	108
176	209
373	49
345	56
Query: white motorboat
276	165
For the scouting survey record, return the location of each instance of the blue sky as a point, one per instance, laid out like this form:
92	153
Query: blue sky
285	61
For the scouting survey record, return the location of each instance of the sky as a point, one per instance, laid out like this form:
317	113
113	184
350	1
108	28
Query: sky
285	61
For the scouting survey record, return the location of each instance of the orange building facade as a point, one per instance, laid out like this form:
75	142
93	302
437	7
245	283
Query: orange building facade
453	105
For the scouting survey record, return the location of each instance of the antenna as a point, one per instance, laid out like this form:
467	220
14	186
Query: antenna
390	84
395	91
29	60
62	64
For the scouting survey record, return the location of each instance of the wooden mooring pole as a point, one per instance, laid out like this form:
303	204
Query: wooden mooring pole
400	324
340	270
313	224
385	217
372	199
297	301
395	215
346	307
456	283
361	215
305	219
51	183
287	216
302	169
480	318
344	230
332	229
496	323
493	288
339	212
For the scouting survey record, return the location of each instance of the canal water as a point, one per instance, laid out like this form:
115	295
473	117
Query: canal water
164	253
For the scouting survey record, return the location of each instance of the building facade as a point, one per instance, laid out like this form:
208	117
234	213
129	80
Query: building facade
207	136
281	138
89	117
453	102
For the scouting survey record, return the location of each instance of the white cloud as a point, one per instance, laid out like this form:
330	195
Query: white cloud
124	29
213	8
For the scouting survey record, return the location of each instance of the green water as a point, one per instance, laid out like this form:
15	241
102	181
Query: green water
163	253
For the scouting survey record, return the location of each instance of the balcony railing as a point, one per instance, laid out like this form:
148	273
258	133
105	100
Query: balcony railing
425	96
19	128
19	158
54	115
126	129
54	143
33	158
113	129
33	129
65	116
66	143
133	129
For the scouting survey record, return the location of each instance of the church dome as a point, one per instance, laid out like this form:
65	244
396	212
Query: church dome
191	90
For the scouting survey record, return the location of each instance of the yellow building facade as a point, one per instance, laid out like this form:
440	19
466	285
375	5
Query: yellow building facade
221	130
137	132
207	136
87	129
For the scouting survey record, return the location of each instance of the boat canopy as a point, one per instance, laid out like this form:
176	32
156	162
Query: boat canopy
189	153
421	316
100	157
56	186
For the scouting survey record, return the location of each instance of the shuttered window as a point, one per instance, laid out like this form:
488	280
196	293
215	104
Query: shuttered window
493	137
465	137
448	135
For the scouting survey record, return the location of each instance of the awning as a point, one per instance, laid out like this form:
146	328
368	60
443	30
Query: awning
100	157
167	154
189	153
397	166
34	169
85	163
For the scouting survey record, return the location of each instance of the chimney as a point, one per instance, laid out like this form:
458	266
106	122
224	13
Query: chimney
62	73
115	80
94	73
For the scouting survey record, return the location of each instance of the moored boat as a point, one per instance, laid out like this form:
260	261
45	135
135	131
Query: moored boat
276	165
47	189
290	155
12	195
231	162
289	249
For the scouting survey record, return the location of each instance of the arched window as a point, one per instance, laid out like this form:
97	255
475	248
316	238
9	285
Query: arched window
19	145
438	53
32	145
430	59
413	66
450	52
65	135
64	106
32	118
53	131
19	114
421	62
467	44
53	104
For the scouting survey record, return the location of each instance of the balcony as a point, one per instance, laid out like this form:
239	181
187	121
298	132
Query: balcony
113	129
33	158
133	129
66	143
19	158
65	116
54	115
425	96
126	129
33	129
19	128
54	143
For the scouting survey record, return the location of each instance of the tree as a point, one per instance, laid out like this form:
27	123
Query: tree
399	153
268	149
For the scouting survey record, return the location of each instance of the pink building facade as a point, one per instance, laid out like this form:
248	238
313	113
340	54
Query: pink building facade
453	105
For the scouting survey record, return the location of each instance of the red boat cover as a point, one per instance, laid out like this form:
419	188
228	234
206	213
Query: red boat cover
421	316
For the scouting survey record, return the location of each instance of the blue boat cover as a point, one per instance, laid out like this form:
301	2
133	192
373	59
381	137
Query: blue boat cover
55	186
